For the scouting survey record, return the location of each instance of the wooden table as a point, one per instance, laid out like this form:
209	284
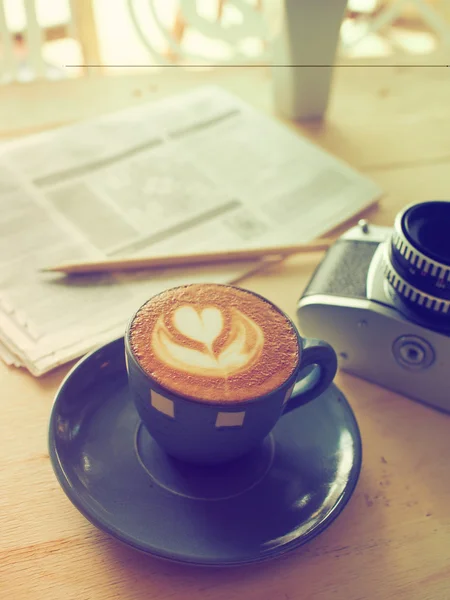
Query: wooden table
393	539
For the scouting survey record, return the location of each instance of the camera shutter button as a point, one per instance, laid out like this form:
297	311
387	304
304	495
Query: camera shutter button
413	352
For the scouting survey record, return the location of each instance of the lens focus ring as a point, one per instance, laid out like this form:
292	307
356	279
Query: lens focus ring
434	276
409	292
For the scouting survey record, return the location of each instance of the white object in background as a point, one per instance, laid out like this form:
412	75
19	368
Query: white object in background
215	40
36	22
304	35
7	63
26	63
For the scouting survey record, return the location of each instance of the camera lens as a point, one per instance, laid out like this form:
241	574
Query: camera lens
417	262
427	228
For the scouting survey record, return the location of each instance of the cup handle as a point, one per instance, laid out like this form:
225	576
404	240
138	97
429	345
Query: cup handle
320	355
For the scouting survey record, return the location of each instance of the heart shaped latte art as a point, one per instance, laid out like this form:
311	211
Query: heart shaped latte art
204	326
243	341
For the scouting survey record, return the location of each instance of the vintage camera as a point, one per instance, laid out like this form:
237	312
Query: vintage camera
381	298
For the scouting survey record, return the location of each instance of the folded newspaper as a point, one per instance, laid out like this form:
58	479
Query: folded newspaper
197	171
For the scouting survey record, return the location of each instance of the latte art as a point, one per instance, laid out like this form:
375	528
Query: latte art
214	343
242	345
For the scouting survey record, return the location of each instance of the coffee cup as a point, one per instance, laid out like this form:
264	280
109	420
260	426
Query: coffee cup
212	368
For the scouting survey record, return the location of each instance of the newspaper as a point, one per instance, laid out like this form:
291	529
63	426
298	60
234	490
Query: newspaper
197	171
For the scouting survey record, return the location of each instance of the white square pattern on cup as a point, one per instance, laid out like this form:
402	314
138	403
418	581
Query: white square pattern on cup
230	419
162	404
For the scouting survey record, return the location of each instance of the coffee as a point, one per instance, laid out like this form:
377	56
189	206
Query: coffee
214	343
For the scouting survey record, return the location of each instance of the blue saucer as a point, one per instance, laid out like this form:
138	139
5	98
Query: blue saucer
271	501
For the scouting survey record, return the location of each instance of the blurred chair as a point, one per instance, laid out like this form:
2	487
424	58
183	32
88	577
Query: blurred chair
196	24
303	37
25	31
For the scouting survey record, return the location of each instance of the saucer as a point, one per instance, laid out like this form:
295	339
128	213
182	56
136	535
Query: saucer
272	500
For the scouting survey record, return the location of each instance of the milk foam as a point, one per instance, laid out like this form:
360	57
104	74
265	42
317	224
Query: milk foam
245	340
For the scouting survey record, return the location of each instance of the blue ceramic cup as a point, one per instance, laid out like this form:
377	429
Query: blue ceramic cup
213	432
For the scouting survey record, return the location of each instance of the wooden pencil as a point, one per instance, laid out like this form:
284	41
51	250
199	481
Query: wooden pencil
185	260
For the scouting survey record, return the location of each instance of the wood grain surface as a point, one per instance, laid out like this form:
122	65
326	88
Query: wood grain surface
393	539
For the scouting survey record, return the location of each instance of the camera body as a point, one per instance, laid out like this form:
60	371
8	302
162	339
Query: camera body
353	302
